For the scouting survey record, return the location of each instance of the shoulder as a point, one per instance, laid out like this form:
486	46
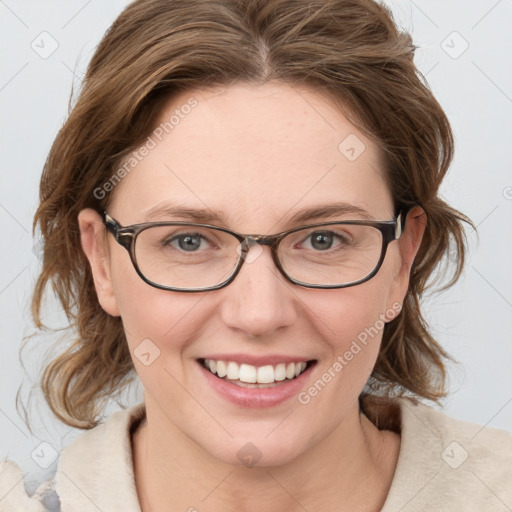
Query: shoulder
95	470
478	435
14	497
480	446
112	436
446	463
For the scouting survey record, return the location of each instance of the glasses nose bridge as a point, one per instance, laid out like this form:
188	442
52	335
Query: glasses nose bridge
271	241
268	240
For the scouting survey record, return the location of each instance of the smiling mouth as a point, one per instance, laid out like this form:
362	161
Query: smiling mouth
249	376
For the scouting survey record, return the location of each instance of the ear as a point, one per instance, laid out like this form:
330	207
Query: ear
409	244
94	245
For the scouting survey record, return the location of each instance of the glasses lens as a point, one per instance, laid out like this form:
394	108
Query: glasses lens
186	256
336	254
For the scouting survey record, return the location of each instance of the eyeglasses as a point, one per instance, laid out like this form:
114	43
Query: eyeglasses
185	257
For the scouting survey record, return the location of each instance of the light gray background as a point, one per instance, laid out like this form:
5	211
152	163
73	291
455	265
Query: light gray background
473	320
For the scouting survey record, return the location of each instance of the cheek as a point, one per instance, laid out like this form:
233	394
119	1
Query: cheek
361	324
355	313
160	326
352	321
160	316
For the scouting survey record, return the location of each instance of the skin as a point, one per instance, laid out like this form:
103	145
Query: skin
259	154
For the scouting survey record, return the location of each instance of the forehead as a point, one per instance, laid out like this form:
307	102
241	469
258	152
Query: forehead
254	153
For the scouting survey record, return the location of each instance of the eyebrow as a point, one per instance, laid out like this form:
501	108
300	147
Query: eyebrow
209	216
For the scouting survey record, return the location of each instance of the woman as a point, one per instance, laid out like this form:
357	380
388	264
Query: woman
242	209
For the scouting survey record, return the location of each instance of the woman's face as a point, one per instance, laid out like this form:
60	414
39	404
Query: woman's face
257	156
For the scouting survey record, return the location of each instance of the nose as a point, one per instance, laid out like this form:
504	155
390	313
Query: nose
260	300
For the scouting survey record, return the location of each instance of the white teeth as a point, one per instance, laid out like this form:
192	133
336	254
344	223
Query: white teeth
280	372
232	371
255	375
221	368
247	373
299	368
265	374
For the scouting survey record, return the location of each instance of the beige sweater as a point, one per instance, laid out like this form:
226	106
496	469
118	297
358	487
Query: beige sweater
444	465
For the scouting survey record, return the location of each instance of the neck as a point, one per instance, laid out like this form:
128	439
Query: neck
170	468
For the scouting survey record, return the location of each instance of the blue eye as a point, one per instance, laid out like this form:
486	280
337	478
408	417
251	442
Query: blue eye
189	242
324	240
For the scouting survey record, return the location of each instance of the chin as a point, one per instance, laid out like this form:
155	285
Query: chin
256	452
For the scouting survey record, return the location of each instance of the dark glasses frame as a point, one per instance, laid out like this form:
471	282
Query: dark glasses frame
126	236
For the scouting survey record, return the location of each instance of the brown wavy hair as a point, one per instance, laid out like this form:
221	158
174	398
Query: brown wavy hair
349	50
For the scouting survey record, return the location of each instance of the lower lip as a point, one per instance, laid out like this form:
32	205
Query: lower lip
256	397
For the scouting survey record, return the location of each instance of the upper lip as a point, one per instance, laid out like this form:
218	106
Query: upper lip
257	361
